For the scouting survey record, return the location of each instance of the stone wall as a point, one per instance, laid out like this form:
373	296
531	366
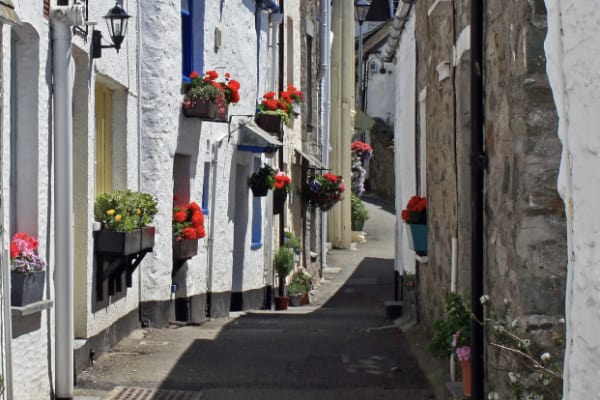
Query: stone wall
381	174
524	226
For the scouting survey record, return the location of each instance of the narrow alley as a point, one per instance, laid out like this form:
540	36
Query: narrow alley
339	347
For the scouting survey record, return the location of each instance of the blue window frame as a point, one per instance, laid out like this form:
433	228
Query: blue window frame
187	40
256	214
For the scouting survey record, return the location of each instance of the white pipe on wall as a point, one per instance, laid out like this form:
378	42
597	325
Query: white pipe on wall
453	274
62	19
325	76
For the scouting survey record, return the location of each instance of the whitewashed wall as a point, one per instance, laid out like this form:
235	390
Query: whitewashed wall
573	54
404	140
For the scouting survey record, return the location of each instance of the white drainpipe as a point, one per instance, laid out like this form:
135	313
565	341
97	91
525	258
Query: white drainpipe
62	19
325	77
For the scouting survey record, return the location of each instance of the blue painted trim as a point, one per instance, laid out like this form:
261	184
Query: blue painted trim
205	211
256	246
251	149
269	5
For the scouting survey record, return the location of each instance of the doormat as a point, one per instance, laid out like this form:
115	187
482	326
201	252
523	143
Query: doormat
139	393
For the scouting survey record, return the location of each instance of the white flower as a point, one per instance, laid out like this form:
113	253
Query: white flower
546	382
484	299
513	377
493	396
506	301
562	320
545	357
515	323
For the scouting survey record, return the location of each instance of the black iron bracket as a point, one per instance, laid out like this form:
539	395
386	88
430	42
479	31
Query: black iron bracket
116	265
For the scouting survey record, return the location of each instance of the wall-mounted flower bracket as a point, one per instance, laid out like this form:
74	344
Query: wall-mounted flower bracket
119	253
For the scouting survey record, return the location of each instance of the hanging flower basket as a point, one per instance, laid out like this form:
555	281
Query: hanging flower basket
279	197
26	287
324	191
184	248
417	237
200	109
270	122
261	181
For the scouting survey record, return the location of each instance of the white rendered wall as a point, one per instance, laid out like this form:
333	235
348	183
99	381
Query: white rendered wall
573	54
404	142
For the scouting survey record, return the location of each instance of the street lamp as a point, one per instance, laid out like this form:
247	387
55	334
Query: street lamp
116	22
361	9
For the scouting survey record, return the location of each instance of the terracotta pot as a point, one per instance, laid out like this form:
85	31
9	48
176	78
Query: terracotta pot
281	303
466	377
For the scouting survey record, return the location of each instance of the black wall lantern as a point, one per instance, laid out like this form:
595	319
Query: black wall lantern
116	22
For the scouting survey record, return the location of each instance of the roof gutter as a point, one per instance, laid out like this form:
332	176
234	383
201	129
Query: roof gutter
400	19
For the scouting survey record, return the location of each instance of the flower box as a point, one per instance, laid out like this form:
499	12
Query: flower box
118	243
184	248
148	233
417	237
200	109
223	116
26	287
270	123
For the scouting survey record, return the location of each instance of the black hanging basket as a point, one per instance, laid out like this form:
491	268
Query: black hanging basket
259	191
279	197
270	123
184	248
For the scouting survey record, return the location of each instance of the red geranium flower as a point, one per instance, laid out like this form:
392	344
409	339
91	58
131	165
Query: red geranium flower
189	233
180	216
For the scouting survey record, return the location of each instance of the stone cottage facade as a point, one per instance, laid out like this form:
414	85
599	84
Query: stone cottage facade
127	130
524	220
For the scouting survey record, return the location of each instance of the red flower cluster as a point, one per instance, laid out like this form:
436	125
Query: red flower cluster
21	242
282	181
282	104
271	103
230	87
188	222
325	190
415	211
360	146
292	95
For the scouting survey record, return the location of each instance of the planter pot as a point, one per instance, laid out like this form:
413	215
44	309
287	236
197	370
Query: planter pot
295	300
223	116
281	303
465	367
304	299
358	225
270	123
148	233
201	109
259	191
297	110
417	237
118	243
184	248
26	288
279	197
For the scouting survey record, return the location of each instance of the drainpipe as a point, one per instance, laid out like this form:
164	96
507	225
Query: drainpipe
325	77
62	19
478	164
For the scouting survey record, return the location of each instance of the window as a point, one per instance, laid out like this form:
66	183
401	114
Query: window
256	214
103	139
187	40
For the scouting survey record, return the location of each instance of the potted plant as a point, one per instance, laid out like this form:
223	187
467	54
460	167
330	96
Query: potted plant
324	191
188	227
262	180
298	288
282	186
359	213
273	112
415	218
283	262
291	241
205	97
361	152
28	270
452	334
125	217
230	89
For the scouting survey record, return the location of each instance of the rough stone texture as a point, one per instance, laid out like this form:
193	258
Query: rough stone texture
525	243
381	175
573	55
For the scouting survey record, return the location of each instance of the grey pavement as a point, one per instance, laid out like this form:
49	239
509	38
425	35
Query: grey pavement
341	346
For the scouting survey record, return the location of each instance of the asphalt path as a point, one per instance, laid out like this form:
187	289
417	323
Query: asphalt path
340	347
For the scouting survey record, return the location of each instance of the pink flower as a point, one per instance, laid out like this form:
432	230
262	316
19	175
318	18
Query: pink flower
463	353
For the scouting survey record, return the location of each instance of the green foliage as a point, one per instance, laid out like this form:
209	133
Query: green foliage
359	211
283	261
206	92
457	320
124	210
263	178
292	241
299	284
284	114
531	357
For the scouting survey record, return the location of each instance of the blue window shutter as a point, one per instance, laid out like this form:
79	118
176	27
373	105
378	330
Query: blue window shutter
256	215
187	55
